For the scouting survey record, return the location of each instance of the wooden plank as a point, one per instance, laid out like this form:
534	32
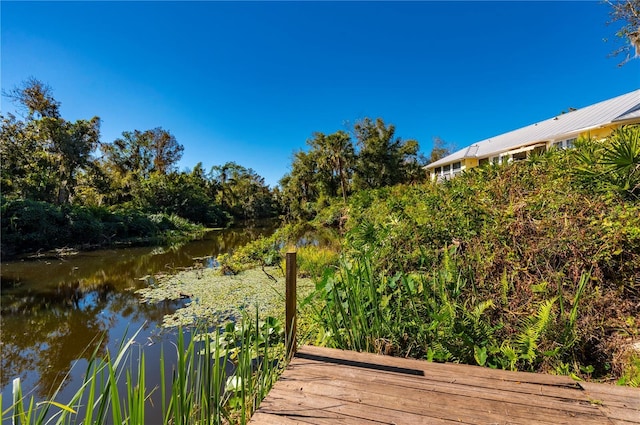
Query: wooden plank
444	405
450	392
328	386
365	411
599	394
481	383
620	413
425	366
626	397
318	368
323	407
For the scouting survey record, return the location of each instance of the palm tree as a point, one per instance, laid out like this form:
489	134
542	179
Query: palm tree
341	154
335	154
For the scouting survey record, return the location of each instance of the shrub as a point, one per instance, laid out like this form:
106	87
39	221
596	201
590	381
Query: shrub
31	225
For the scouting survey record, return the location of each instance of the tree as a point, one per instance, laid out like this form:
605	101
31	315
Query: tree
72	146
166	150
303	175
225	176
335	155
132	158
300	186
128	162
143	152
37	98
383	159
440	150
27	169
183	194
45	152
628	13
242	192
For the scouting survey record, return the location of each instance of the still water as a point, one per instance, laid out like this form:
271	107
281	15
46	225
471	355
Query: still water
55	310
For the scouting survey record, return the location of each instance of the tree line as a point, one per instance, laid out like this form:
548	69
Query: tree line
50	159
54	171
371	156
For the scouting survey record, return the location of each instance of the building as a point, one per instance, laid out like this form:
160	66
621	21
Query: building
595	121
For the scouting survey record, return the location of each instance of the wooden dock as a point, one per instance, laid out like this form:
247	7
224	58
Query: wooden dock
327	386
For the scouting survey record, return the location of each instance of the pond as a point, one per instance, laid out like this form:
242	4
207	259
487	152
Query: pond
55	310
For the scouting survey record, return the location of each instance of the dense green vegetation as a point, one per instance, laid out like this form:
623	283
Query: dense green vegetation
531	266
63	186
29	224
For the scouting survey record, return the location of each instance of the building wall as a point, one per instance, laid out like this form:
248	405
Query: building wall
600	133
471	162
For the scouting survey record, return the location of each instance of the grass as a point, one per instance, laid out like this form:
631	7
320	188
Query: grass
219	377
313	261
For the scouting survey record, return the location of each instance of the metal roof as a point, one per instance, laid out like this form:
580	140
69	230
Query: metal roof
618	109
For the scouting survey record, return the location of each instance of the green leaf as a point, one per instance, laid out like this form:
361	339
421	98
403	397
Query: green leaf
480	354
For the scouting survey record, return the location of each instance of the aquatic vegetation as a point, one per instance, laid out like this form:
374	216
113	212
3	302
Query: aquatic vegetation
219	377
219	298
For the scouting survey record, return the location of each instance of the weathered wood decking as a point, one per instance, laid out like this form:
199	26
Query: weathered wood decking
326	386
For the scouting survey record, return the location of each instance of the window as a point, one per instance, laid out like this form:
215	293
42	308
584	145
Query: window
564	144
483	161
447	171
519	156
539	150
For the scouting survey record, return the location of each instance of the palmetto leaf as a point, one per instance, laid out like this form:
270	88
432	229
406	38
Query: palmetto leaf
622	157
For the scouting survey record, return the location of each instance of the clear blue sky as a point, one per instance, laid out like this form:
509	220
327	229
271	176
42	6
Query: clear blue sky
250	82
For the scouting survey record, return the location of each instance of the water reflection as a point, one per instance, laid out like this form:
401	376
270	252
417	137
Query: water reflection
55	311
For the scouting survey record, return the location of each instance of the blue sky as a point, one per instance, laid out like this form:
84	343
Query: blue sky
251	81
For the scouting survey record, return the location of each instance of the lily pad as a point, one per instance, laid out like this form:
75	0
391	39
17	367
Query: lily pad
217	299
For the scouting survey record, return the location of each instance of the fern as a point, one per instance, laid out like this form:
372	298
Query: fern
510	354
479	309
534	328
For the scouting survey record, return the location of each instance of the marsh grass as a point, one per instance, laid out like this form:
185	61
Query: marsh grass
218	377
312	260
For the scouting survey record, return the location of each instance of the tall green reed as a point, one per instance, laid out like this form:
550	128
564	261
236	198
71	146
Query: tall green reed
218	377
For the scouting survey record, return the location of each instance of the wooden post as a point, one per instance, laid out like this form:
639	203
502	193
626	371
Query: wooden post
290	304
